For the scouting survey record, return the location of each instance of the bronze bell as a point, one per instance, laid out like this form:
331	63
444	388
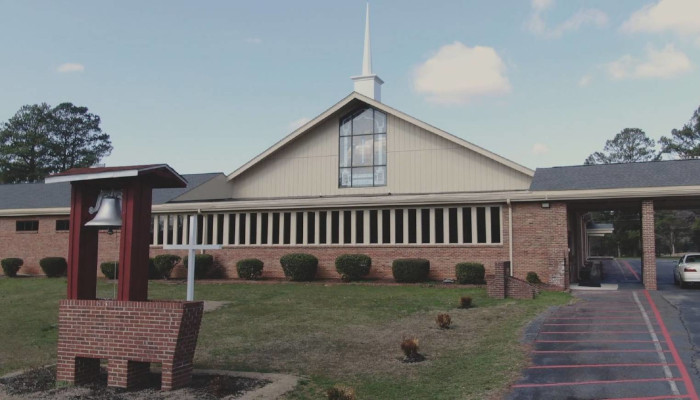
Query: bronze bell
109	213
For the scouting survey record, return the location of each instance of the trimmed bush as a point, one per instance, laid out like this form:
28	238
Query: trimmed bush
299	266
443	321
249	268
10	266
110	269
470	273
341	392
532	277
203	265
53	267
165	263
353	267
410	270
152	271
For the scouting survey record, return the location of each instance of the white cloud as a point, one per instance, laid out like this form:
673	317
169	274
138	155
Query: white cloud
585	81
70	67
298	123
253	40
679	16
537	25
538	149
457	73
665	63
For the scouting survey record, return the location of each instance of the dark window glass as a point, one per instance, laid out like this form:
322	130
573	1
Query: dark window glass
467	224
347	226
399	226
425	225
232	229
200	230
300	228
210	228
241	228
360	226
27	226
373	230
386	226
287	234
362	150
495	224
439	226
253	228
62	225
481	225
219	229
264	227
311	233
335	227
453	225
275	228
411	225
322	227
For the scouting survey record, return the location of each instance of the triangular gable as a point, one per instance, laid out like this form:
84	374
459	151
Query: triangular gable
380	106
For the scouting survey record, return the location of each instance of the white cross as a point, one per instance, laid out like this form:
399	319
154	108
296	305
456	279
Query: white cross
191	246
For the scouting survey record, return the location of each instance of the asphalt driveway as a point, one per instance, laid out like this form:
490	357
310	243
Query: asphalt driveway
624	344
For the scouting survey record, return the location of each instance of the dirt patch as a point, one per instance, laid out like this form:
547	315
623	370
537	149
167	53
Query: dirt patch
40	383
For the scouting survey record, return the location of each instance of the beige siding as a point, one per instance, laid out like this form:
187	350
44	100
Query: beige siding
418	161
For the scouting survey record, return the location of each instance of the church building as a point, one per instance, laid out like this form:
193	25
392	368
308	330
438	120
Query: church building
363	177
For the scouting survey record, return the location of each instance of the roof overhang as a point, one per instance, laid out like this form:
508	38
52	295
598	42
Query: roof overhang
159	175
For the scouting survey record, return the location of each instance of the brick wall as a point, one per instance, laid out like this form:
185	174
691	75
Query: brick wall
501	285
540	242
130	335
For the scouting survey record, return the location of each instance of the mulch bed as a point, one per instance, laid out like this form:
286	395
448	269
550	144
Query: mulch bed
40	383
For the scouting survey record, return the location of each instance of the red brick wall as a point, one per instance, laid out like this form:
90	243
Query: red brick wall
648	245
130	335
540	242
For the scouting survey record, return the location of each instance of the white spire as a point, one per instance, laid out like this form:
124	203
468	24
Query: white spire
367	56
368	84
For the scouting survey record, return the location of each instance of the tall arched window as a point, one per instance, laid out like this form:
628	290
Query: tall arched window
362	153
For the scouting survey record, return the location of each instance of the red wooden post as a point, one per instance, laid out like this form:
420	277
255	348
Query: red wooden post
82	244
134	244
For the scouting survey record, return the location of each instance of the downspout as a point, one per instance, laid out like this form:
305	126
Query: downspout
510	235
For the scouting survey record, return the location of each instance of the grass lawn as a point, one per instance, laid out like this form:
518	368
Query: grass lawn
330	334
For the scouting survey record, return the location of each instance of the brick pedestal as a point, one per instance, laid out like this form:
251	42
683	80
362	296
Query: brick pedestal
501	285
130	335
648	245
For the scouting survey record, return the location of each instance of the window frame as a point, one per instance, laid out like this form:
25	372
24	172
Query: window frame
350	117
21	226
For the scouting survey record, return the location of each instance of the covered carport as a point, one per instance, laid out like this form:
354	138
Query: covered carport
643	188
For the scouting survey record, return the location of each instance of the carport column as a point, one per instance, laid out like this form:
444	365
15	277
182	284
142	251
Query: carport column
648	245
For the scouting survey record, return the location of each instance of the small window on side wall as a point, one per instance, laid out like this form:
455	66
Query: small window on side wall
62	225
27	226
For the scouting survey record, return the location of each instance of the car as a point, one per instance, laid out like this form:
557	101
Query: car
688	270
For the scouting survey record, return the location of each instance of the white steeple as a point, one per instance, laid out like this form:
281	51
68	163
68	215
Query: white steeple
368	84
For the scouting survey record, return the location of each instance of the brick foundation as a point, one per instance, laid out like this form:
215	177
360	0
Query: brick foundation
130	335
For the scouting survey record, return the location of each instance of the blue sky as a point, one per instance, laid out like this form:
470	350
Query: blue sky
207	85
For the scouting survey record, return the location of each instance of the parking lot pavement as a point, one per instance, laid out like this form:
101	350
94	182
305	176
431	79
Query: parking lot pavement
608	345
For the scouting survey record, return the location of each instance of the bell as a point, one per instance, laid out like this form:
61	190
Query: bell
109	215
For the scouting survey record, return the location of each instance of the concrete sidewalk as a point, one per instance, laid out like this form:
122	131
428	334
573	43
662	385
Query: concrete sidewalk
609	345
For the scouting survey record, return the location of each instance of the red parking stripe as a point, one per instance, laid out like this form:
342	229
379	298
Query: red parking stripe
630	269
596	317
672	347
680	396
599	341
527	385
601	351
596	332
613	324
599	365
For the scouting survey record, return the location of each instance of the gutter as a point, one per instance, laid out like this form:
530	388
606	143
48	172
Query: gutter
510	235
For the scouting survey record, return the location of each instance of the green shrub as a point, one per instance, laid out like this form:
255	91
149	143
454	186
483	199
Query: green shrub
165	263
152	270
249	268
353	267
299	266
203	265
10	266
470	273
110	269
532	277
54	266
410	270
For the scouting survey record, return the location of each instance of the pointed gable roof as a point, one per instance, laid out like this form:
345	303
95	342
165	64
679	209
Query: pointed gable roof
356	97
